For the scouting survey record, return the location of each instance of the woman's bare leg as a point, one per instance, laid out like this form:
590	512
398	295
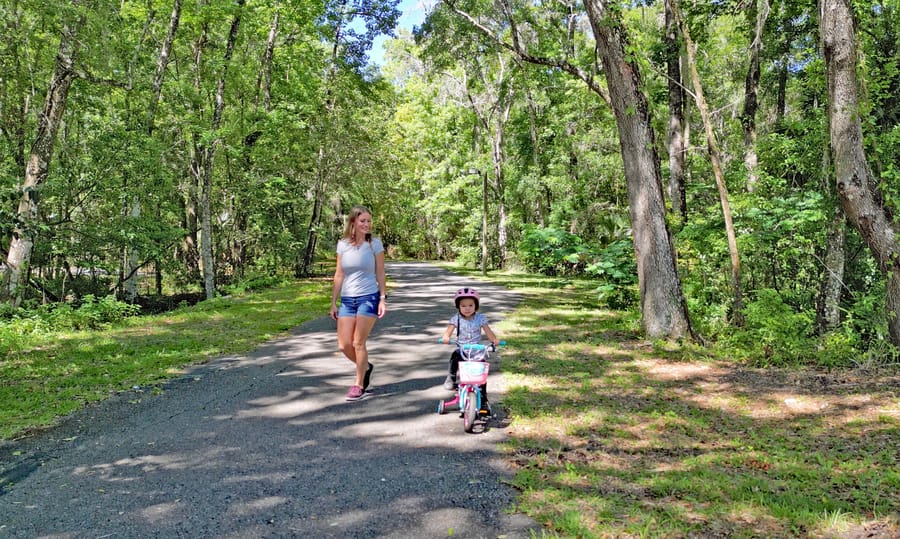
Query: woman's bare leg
363	327
346	327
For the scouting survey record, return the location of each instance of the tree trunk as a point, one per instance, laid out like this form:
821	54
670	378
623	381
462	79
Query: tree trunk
322	172
484	223
312	234
130	273
162	61
675	130
758	13
38	166
190	251
499	158
663	308
787	33
856	186
828	314
713	147
206	250
542	204
264	79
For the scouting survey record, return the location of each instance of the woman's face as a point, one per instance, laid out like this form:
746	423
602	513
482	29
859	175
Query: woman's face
363	224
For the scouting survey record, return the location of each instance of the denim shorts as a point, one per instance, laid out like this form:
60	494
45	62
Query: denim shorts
360	305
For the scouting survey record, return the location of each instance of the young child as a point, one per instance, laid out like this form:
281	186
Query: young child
468	324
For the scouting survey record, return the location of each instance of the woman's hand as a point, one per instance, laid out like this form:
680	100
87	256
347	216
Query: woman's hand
333	312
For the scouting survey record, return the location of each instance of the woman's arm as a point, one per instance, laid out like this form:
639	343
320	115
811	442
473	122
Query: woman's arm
381	278
336	289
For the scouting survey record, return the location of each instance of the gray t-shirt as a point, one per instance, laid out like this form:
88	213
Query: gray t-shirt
358	263
469	331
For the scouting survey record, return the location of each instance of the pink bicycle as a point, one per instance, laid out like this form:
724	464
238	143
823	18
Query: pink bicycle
473	373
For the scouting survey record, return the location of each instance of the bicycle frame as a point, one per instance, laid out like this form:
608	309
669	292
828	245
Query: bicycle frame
473	372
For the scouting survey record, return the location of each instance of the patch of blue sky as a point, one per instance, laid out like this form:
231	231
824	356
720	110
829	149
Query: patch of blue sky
412	14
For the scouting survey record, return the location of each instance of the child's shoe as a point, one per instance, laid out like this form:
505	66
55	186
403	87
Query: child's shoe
485	407
450	383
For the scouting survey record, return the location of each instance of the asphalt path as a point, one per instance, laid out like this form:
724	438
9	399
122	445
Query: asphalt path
264	444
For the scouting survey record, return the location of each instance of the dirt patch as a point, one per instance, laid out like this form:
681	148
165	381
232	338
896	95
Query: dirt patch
782	393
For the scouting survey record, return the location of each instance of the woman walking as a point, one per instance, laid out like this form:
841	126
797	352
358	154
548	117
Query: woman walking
359	281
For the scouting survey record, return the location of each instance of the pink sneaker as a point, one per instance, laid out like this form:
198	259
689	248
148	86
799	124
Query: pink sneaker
355	393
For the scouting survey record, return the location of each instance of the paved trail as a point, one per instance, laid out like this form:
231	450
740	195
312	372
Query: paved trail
264	445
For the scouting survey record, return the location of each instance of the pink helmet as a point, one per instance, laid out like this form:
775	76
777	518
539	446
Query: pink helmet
466	293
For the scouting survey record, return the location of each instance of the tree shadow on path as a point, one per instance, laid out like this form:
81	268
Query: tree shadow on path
264	444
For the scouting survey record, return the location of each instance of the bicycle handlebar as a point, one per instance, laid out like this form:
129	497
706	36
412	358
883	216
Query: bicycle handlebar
451	341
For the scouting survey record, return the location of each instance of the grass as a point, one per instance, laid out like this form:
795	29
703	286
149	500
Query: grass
610	436
48	376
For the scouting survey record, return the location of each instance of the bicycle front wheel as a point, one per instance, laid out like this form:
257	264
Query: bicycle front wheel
470	412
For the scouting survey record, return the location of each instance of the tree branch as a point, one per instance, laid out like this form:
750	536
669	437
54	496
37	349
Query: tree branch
84	75
516	48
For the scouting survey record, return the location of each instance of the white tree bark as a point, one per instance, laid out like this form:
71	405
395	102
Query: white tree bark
206	250
132	258
37	167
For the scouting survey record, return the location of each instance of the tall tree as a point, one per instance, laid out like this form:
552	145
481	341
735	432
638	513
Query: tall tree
489	93
675	134
857	187
208	152
132	262
663	307
828	302
713	149
40	157
349	50
757	15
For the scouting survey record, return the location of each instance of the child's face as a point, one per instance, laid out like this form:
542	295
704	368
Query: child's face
467	307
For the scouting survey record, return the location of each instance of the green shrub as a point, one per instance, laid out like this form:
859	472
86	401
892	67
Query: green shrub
776	335
839	349
90	314
616	267
552	251
255	283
